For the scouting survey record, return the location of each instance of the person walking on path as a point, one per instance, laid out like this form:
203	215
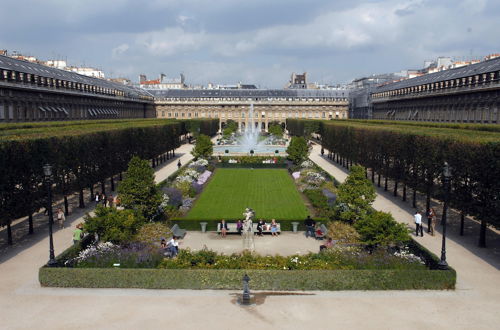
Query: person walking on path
97	198
77	234
418	223
429	219
309	223
60	218
433	222
179	165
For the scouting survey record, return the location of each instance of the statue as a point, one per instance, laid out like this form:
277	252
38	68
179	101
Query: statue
248	243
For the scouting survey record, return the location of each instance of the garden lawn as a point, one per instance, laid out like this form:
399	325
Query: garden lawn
270	192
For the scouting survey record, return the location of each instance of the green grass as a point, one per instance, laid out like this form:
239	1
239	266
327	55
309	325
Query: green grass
270	192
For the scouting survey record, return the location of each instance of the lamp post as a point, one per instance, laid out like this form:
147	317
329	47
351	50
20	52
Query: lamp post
47	171
246	291
446	185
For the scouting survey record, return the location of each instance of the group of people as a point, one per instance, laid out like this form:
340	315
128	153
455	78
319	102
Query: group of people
313	229
171	247
431	222
261	227
106	200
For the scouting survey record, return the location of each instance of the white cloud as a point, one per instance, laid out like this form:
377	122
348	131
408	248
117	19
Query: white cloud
117	51
171	41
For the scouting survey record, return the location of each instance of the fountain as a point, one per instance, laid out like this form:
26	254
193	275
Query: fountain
248	142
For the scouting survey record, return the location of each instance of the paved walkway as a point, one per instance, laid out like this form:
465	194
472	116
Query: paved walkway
25	305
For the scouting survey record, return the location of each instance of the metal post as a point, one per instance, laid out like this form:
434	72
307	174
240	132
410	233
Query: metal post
446	185
48	180
246	291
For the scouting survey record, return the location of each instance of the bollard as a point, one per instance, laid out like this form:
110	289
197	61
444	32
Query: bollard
246	291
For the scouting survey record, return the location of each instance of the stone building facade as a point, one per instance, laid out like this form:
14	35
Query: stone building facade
469	94
34	92
268	105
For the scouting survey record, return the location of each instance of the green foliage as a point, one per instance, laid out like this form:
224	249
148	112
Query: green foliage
152	233
380	229
342	232
138	190
270	192
112	225
318	200
230	279
276	130
226	132
203	147
355	196
297	150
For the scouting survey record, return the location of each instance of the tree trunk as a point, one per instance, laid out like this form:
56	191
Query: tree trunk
462	220
404	192
173	153
482	234
414	201
428	200
103	186
30	224
373	175
395	193
81	203
112	179
9	234
385	183
66	208
366	172
378	180
121	176
91	199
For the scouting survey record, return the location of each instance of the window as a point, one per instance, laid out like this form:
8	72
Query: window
176	115
163	113
169	115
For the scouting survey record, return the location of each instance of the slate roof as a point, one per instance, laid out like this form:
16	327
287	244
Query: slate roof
248	93
465	71
11	64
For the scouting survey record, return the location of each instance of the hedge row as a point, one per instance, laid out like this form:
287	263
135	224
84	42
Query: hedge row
81	154
286	280
414	158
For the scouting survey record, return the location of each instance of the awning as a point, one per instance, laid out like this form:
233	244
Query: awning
90	112
54	109
65	111
42	109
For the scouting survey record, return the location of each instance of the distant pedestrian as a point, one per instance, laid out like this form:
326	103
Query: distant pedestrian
309	223
104	199
97	198
433	222
430	212
179	165
60	218
110	201
77	234
418	223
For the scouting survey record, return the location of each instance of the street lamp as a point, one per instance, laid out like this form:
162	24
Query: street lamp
246	291
446	185
47	171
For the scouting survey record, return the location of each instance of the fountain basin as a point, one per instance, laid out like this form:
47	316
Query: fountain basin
259	150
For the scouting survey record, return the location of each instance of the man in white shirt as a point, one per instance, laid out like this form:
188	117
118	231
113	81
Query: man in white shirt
173	246
418	223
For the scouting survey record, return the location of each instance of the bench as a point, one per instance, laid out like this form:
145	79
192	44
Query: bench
231	228
178	232
324	231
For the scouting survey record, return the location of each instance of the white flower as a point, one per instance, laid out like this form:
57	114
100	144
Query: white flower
307	164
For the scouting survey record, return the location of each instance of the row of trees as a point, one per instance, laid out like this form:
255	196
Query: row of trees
415	160
80	161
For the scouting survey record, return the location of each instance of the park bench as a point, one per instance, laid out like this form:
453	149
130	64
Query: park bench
231	228
178	232
324	231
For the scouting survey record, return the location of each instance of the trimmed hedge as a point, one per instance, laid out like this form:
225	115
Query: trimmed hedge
257	165
259	279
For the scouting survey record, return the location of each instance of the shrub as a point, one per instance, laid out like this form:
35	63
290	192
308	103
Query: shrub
297	149
203	147
355	196
318	200
112	225
380	229
342	232
152	233
138	190
174	196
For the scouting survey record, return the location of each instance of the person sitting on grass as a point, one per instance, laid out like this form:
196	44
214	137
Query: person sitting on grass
274	228
223	228
328	244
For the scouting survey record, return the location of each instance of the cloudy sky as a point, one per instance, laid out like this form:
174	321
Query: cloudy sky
253	41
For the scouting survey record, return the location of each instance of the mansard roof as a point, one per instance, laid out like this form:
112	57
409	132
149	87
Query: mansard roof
11	64
248	93
492	65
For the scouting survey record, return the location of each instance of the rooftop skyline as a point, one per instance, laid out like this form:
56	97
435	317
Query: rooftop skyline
257	42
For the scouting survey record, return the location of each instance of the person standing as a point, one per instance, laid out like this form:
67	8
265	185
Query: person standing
104	199
179	165
309	223
433	221
97	198
77	234
60	218
429	219
418	223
